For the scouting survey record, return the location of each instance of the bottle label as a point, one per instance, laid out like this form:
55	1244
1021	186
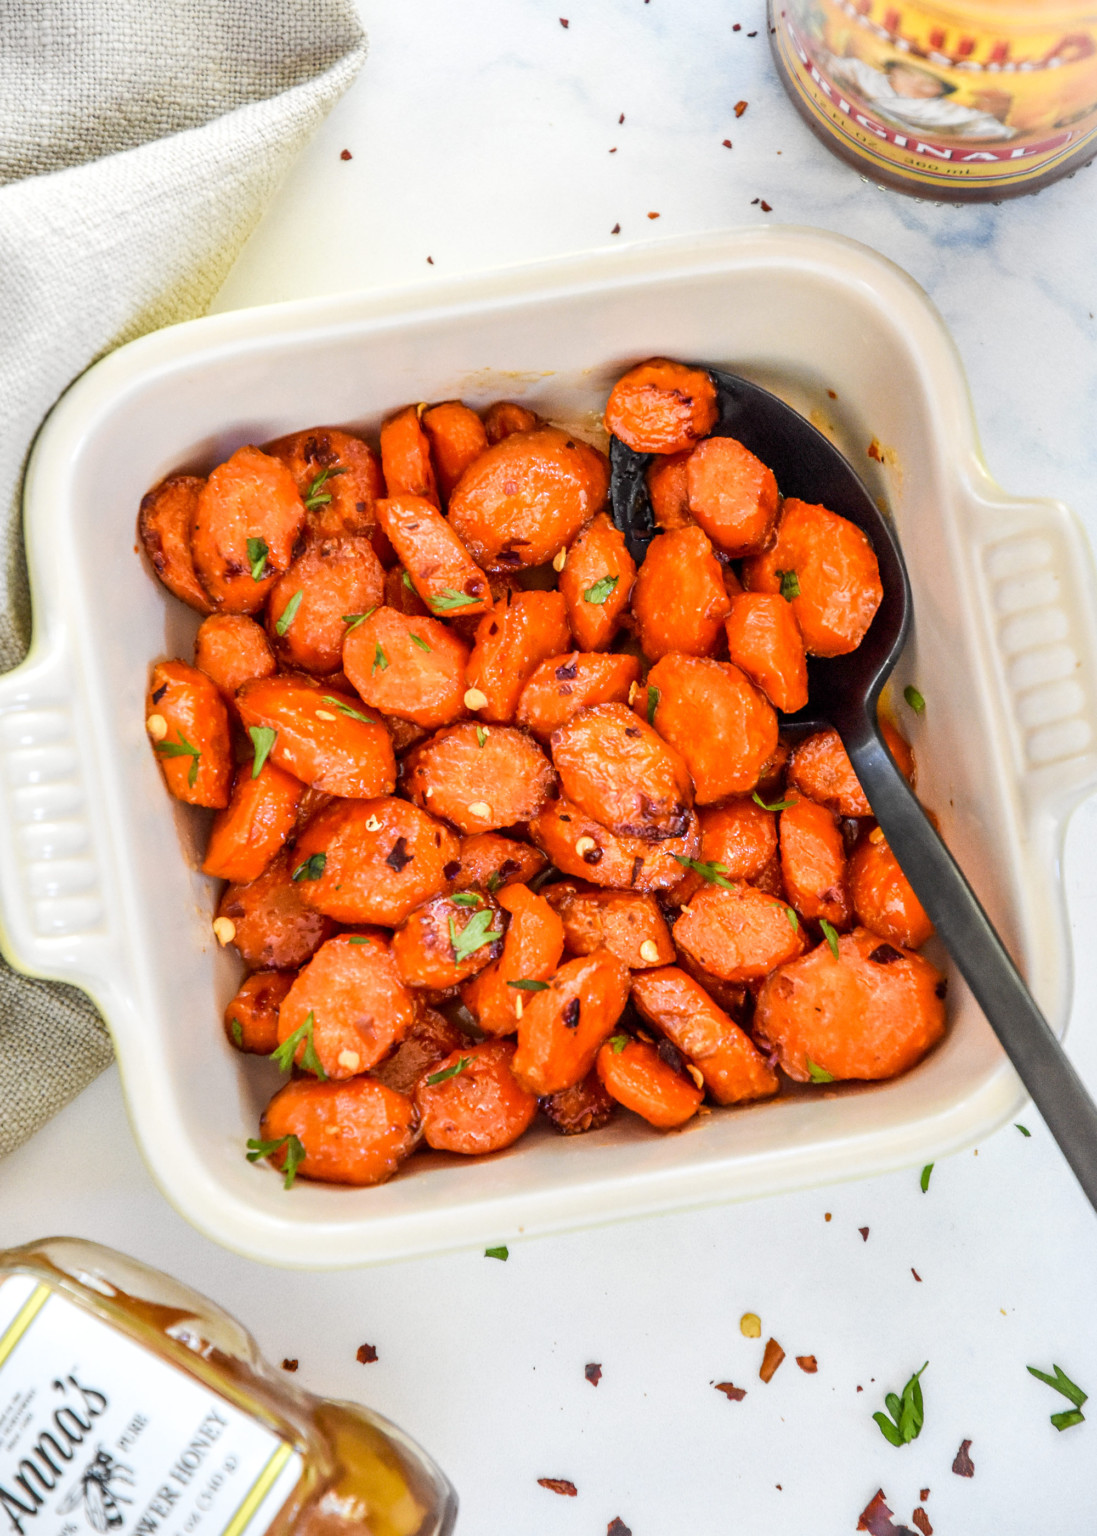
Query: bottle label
99	1435
924	91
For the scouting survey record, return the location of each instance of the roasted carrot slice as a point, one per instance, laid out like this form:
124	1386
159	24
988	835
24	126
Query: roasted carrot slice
271	925
372	861
445	941
251	829
520	632
668	489
561	1028
505	417
882	896
597	581
820	768
428	1041
347	1008
733	1069
411	667
825	566
586	1106
615	767
738	842
309	606
731	997
457	439
732	494
338	477
246	522
580	846
251	1019
718	721
872	1012
641	1078
813	863
527	497
738	935
356	1132
324	738
679	601
405	458
531	952
473	1104
661	407
764	640
490	860
563	685
163	527
479	777
188	726
231	649
627	923
440	567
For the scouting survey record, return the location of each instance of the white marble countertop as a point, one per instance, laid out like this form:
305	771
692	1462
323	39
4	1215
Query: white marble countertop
481	135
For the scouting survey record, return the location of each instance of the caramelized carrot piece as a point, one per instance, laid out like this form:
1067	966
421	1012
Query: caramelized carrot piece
505	417
273	928
531	952
731	997
475	1104
820	768
512	640
640	1078
444	942
347	1008
597	581
580	846
668	489
247	834
561	1029
356	1132
429	1039
441	569
563	685
411	667
400	593
251	1019
620	771
764	640
738	935
188	726
493	861
479	778
719	722
372	861
246	522
871	1013
826	568
627	923
882	896
771	781
231	649
679	601
338	477
527	497
738	838
733	1069
732	494
457	439
163	527
308	608
813	863
586	1106
405	458
661	407
323	738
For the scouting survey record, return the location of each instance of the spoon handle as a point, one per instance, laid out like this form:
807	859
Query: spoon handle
981	957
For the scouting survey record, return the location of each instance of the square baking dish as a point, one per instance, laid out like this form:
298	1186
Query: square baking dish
98	867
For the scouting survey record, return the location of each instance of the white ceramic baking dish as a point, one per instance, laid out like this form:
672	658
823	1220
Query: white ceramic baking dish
98	884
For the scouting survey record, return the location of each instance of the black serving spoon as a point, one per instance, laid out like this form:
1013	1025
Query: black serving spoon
843	693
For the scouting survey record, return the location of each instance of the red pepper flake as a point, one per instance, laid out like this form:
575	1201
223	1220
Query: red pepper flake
345	154
733	1393
923	1494
771	1360
826	1215
864	1233
876	1518
736	27
616	230
621	118
963	1466
563	22
613	151
921	1520
752	34
916	1275
807	1363
593	1373
832	395
726	143
860	1389
430	259
740	108
617	1527
653	215
559	1485
289	1365
367	1354
765	206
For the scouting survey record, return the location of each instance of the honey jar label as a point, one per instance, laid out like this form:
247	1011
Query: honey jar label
940	93
99	1435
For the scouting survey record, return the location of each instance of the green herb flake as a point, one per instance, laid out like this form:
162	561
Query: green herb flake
1060	1382
529	986
617	1043
481	737
237	1033
600	591
182	748
831	936
312	868
790	585
406	579
357	938
914	699
347	709
289	613
283	1055
450	598
927	1173
295	1155
907	1413
1068	1417
316	496
654	695
380	660
448	1072
778	805
419	641
494	881
1024	1130
502	1252
474	935
263	738
816	1073
714	873
790	913
257	558
466	899
352	620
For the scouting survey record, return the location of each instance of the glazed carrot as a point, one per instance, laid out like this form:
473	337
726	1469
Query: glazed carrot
372	861
246	522
324	738
400	593
338	477
411	667
504	418
733	1069
163	527
813	863
428	1040
764	640
820	768
882	896
580	846
188	726
356	1132
479	777
732	997
563	685
347	1008
679	601
494	861
457	439
718	721
531	952
738	935
627	923
231	649
732	494
247	834
639	1077
824	565
444	942
272	926
308	608
738	840
771	780
597	581
871	1013
668	489
440	567
520	632
586	1106
561	1029
527	497
405	458
251	1019
661	407
474	1104
620	771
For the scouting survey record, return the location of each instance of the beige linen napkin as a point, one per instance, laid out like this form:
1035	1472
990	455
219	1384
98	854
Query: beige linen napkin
139	143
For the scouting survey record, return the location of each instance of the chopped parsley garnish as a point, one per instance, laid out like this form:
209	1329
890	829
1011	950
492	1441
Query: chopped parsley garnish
817	1074
481	737
448	1072
914	699
529	986
1061	1382
713	872
474	935
599	592
406	579
347	709
494	881
284	1054
502	1252
358	938
466	899
182	748
257	558
380	660
450	598
790	585
617	1043
1024	1130
316	495
295	1155
419	641
654	695
927	1172
312	868
831	936
790	913
778	805
352	620
263	738
289	613
906	1413
237	1032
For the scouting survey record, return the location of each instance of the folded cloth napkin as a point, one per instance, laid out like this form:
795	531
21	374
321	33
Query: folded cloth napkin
139	143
